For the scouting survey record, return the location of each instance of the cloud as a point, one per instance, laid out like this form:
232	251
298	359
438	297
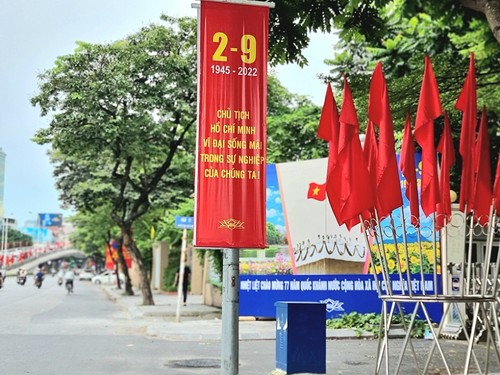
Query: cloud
272	212
280	228
271	194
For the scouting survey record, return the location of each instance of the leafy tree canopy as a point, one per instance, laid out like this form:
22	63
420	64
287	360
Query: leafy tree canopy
292	20
120	121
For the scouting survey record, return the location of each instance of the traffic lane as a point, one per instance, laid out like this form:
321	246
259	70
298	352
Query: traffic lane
28	310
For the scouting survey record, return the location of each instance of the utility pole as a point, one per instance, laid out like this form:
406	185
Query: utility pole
230	314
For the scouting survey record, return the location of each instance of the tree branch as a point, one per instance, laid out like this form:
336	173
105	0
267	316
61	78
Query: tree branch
491	9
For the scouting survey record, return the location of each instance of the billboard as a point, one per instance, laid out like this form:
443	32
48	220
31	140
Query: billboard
50	220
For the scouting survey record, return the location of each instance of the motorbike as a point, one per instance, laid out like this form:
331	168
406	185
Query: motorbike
38	282
69	286
21	280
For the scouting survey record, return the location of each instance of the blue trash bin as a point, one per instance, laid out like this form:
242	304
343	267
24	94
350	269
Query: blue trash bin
301	337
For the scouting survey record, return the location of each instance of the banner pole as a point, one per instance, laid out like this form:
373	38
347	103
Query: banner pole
268	4
180	279
230	316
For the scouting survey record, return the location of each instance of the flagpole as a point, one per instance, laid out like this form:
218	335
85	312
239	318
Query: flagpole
180	279
268	4
4	243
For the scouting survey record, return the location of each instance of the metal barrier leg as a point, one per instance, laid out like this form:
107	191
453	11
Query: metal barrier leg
435	338
408	338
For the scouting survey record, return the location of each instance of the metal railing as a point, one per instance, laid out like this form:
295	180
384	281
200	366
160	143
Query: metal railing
406	261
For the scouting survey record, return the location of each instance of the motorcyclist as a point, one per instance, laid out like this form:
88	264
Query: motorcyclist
60	276
39	276
69	276
21	275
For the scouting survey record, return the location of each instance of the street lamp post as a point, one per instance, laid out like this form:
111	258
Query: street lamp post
5	237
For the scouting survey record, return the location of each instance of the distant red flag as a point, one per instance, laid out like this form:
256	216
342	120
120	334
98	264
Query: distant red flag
496	188
429	108
316	191
328	130
407	166
388	187
349	180
482	187
445	148
467	104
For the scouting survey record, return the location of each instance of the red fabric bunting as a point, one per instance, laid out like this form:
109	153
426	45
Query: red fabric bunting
328	130
370	151
482	186
496	188
467	104
349	180
388	187
429	108
407	166
445	148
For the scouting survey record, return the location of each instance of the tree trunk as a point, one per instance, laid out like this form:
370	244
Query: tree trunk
128	283
128	241
491	9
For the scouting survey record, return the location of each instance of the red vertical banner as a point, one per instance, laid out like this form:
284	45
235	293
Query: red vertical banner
230	202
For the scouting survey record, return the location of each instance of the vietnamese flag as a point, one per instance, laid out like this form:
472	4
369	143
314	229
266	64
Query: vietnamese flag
407	166
316	191
328	130
482	188
388	187
349	181
445	148
467	104
496	188
429	108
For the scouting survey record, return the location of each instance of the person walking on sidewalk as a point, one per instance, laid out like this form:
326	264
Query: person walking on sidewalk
185	281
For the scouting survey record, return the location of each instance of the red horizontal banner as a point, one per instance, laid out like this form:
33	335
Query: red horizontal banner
230	199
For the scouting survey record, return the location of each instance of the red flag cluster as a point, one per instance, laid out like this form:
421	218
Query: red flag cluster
364	181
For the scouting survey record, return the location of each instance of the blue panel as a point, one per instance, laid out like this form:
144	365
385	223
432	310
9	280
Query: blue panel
50	220
184	222
342	294
300	337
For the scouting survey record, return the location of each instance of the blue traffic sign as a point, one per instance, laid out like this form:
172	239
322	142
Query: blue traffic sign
184	222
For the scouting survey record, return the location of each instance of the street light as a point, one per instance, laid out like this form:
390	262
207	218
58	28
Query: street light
5	238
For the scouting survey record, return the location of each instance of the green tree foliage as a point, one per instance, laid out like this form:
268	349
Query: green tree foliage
93	230
120	121
291	21
15	237
399	33
448	36
273	236
292	124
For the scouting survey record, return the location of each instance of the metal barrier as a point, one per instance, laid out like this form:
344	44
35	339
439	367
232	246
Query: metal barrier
402	254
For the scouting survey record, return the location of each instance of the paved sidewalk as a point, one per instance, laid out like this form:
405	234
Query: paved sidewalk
346	353
204	322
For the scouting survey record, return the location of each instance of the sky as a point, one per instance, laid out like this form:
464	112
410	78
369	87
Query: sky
34	33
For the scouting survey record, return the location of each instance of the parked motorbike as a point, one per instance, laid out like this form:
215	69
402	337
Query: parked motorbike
21	280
